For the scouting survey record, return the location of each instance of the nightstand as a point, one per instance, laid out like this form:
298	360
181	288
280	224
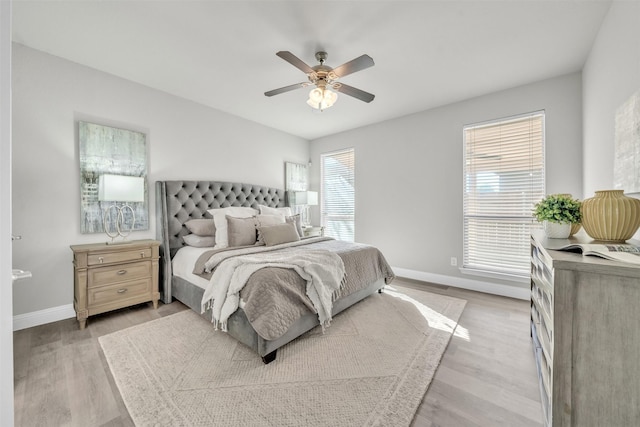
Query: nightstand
313	231
108	277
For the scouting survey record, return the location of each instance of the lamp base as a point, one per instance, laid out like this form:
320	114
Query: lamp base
119	220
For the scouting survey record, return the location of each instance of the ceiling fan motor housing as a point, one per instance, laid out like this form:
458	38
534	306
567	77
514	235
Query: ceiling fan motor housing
322	74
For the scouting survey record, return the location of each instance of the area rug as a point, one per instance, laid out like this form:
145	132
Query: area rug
372	366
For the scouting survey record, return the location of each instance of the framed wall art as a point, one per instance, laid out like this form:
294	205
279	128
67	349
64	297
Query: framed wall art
105	150
626	168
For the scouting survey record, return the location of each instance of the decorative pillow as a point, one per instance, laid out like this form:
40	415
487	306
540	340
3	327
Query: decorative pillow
277	234
295	219
220	220
266	210
241	231
265	221
199	241
201	227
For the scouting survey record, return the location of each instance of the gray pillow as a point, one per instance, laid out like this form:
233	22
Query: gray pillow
201	227
281	233
295	219
265	221
199	241
241	231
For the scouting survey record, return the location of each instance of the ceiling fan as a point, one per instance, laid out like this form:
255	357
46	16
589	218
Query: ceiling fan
325	78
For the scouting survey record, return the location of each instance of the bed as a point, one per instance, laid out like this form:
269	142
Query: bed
178	202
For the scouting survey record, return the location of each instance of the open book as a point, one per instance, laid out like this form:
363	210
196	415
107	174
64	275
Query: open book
624	252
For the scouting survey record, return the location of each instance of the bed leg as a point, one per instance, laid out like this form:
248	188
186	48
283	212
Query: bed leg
270	357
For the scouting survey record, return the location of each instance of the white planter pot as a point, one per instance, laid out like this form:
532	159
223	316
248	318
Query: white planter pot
556	230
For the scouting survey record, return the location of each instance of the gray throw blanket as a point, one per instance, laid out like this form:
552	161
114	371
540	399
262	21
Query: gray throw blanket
322	270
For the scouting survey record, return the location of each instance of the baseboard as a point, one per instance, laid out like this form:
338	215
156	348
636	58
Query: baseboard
53	314
48	315
459	282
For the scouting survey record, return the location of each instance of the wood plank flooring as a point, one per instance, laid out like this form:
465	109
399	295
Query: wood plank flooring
486	378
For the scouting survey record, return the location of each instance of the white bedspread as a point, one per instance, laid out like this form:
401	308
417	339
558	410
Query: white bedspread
323	270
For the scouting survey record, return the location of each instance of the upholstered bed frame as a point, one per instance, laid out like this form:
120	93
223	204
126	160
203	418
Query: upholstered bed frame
179	201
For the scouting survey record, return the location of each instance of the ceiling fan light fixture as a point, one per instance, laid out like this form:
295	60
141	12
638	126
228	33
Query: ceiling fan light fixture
321	99
315	95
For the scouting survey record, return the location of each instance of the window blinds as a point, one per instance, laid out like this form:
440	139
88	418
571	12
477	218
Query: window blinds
503	180
338	194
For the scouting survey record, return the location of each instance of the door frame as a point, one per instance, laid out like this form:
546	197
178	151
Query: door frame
6	283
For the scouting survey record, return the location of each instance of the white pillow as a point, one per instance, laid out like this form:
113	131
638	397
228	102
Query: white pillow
266	210
220	221
199	241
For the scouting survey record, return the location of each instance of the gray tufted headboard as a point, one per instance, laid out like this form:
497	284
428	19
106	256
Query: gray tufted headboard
179	201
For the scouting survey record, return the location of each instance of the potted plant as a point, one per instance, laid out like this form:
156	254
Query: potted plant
557	213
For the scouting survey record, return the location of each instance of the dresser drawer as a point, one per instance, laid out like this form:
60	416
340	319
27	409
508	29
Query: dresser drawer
118	273
119	256
119	292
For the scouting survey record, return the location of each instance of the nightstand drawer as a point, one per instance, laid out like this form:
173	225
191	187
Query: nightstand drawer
119	273
119	292
119	256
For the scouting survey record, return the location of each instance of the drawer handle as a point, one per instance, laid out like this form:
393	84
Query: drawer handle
122	291
141	254
121	272
101	260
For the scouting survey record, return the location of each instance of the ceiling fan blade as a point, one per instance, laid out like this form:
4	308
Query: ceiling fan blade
295	61
286	89
355	92
360	63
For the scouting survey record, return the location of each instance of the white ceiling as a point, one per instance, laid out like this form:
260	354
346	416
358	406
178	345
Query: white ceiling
222	53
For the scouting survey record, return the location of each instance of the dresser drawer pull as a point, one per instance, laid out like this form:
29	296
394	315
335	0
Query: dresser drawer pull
141	254
122	291
121	272
101	260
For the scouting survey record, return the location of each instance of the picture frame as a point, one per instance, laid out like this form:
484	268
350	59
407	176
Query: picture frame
626	167
106	150
296	179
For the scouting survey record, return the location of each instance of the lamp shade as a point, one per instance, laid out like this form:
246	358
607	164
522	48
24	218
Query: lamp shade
312	198
309	198
121	188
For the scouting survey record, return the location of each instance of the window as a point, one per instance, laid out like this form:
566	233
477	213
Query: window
338	194
503	180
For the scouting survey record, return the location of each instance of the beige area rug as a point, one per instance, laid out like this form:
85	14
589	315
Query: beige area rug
371	367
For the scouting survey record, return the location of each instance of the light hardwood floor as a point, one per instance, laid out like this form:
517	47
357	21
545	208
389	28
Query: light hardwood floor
486	378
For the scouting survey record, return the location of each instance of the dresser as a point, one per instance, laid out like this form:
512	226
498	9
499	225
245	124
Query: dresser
108	277
585	327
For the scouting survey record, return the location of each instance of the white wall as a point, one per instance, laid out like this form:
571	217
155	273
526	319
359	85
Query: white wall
409	172
185	141
610	76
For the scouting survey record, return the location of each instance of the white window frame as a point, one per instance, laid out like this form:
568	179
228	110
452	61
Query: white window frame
496	234
326	218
